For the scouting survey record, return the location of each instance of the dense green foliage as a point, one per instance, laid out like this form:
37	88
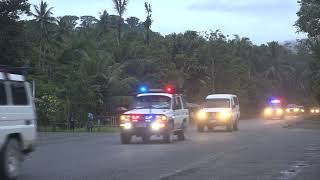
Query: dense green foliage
80	63
309	15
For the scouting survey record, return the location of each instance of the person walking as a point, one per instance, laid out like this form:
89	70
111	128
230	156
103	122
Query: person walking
90	122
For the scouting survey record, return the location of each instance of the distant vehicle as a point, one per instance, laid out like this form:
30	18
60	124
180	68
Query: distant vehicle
161	112
219	110
315	111
274	109
17	123
293	110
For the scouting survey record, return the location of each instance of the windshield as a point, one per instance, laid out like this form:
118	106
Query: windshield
154	102
217	103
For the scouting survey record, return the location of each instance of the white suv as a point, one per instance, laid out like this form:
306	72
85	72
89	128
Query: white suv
155	113
17	123
219	110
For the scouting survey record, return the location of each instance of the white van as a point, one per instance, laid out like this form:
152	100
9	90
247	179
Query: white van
17	123
219	110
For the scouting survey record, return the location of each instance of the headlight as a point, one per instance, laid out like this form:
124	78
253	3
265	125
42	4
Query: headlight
157	126
267	111
296	110
317	110
202	115
279	111
224	115
302	110
161	118
312	110
288	110
127	125
124	118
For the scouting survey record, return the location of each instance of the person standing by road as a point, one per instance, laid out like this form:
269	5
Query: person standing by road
72	122
90	122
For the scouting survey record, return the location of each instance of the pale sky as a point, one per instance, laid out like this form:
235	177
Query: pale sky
260	20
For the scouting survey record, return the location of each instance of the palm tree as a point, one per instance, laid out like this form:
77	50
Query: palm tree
148	21
120	6
278	69
43	16
104	21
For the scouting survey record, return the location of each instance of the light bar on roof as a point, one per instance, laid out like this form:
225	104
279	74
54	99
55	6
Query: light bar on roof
275	101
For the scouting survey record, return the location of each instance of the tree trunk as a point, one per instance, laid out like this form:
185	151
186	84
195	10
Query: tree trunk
119	30
213	76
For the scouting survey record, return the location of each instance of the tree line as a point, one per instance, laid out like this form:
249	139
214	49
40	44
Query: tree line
83	64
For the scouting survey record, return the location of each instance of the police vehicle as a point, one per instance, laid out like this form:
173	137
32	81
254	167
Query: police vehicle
219	110
274	109
160	112
17	122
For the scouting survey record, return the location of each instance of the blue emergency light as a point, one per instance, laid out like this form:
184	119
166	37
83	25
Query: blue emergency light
143	89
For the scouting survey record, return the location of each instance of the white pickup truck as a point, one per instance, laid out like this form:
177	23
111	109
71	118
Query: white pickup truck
155	112
17	123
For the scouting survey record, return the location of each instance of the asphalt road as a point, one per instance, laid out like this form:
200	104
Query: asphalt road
260	150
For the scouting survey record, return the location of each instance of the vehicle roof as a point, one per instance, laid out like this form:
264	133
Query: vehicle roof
220	96
11	77
155	94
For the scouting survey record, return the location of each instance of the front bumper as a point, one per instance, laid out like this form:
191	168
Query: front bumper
214	122
137	130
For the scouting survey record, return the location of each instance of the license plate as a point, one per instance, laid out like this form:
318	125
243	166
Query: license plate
141	125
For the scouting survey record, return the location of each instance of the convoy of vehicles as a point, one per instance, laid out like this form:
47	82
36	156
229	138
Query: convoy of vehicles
219	110
17	122
160	112
315	111
294	110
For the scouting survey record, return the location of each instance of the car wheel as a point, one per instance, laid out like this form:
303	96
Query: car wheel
167	137
10	160
125	138
229	127
146	138
200	128
236	125
181	136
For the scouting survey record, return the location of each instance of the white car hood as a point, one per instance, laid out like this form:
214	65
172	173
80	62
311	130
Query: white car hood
148	111
215	109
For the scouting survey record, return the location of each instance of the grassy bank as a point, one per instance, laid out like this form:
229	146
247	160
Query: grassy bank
79	130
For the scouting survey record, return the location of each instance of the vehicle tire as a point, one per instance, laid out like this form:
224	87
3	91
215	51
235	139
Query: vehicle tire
125	138
167	138
10	160
200	128
181	136
229	127
236	125
146	139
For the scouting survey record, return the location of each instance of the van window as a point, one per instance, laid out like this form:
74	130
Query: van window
184	103
236	101
3	94
177	103
19	94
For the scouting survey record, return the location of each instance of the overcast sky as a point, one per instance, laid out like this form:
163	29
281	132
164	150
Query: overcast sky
260	20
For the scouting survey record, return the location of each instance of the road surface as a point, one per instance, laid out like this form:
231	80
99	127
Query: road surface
260	150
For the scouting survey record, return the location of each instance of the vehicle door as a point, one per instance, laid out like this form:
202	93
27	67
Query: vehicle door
178	111
3	112
236	107
185	111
